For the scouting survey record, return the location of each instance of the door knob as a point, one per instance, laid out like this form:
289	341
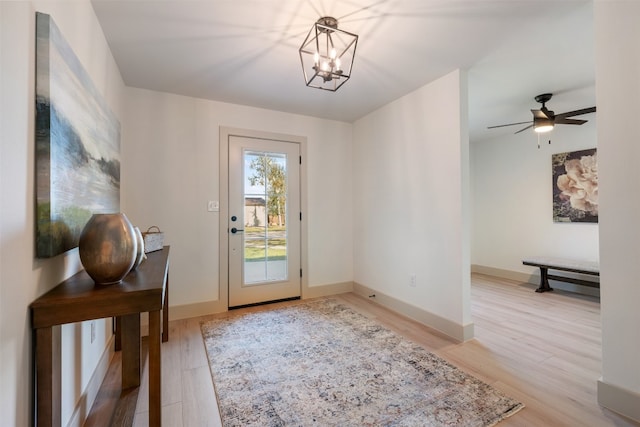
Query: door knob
235	230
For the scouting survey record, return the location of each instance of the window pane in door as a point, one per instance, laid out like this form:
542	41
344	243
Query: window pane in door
265	214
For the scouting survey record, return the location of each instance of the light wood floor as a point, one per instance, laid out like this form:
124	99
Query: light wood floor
542	349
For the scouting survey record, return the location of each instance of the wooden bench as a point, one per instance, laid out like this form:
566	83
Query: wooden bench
563	264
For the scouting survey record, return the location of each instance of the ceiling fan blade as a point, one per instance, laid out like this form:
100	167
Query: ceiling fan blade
563	121
522	130
510	124
576	113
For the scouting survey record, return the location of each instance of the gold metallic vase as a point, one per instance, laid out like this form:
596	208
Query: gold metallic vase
108	247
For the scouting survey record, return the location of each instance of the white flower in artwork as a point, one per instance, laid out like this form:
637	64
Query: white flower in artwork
580	183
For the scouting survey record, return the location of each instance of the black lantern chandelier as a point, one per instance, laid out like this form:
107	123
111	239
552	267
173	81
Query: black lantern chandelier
327	55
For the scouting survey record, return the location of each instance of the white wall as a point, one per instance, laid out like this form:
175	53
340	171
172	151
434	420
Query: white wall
410	199
22	277
618	94
170	170
512	200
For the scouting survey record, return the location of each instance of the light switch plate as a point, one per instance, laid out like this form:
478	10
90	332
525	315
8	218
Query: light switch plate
213	206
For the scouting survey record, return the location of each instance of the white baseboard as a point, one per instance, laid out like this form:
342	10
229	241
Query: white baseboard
505	274
186	311
624	402
327	290
454	330
87	399
534	279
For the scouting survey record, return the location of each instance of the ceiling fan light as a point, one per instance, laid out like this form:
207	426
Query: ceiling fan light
541	125
543	129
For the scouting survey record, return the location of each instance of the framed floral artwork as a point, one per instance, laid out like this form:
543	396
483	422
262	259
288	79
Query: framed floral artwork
575	186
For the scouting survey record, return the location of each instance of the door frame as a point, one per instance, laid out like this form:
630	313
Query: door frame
223	248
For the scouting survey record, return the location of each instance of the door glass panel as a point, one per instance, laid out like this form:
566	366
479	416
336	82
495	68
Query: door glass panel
265	217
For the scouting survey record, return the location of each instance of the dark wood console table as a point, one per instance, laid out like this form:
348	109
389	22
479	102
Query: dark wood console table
77	299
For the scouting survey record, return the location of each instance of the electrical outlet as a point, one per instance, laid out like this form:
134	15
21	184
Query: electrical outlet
93	331
412	280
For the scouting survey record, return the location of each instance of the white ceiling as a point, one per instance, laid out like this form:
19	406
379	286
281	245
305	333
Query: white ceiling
246	52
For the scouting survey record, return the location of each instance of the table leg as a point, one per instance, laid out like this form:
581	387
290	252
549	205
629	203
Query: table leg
544	281
155	383
130	337
117	331
48	384
165	312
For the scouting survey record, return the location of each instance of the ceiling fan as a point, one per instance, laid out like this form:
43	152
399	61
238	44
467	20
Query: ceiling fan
544	119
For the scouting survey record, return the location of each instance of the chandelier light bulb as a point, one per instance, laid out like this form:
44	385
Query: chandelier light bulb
316	58
332	54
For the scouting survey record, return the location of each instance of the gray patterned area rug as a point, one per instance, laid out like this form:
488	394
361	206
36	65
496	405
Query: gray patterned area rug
323	364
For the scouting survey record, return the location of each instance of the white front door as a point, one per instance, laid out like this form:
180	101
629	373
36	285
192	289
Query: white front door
263	220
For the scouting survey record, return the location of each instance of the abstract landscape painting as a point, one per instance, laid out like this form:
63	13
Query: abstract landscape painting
77	145
575	186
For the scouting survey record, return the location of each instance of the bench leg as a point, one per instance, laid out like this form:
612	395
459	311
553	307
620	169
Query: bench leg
544	281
